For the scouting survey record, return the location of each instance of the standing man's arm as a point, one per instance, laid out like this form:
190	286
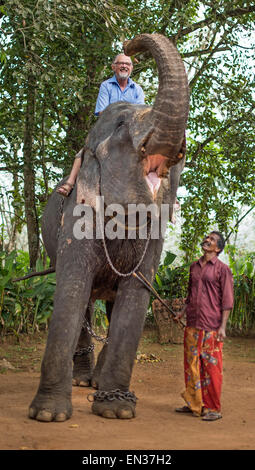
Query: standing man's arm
227	288
221	333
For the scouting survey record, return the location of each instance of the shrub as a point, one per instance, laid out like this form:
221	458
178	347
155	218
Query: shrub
242	266
25	305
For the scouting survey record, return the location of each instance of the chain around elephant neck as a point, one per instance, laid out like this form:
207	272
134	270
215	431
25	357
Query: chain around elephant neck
108	256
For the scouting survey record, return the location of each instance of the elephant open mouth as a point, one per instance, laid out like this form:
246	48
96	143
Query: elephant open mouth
155	168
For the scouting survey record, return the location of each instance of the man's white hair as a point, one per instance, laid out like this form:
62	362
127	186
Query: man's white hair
121	53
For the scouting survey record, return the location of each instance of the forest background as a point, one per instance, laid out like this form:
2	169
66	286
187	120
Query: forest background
54	55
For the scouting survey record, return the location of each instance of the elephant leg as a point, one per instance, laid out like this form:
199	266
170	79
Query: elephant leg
53	399
124	334
84	359
103	352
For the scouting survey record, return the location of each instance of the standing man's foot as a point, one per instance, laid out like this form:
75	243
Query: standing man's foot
65	189
212	416
186	409
183	409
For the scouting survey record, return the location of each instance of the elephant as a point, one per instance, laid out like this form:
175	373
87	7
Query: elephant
133	155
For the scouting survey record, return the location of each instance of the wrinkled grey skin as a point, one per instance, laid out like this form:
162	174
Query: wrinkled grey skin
113	166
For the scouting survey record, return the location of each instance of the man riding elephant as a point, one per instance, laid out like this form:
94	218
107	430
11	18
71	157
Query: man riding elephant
118	88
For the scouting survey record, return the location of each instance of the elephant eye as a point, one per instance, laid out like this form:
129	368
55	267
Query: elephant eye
120	123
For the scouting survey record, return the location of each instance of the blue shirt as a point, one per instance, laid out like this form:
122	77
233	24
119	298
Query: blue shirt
110	92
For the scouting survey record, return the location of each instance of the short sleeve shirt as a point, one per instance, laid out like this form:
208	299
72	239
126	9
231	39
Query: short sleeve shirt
210	292
110	92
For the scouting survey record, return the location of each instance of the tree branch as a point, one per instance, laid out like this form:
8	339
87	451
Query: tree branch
5	168
205	51
214	50
212	137
55	108
211	19
239	221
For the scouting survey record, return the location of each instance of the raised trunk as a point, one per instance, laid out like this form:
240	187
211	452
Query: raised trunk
161	131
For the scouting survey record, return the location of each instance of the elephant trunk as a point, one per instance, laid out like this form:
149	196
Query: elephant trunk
161	129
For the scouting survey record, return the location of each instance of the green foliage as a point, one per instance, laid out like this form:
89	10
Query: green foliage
64	49
67	48
242	317
25	306
100	318
171	282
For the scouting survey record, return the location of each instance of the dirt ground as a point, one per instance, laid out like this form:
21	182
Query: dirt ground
157	381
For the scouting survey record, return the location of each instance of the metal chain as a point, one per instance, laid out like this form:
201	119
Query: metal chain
111	395
82	351
90	331
108	256
102	339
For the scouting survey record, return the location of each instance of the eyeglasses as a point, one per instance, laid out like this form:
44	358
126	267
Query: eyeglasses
128	64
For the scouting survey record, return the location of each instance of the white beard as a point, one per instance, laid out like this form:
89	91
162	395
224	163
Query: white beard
123	75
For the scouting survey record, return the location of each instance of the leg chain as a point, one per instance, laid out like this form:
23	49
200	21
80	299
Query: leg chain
102	339
83	351
111	395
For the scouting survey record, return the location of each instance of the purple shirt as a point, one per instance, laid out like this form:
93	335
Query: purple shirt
210	292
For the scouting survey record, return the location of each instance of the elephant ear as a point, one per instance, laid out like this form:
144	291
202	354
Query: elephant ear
88	180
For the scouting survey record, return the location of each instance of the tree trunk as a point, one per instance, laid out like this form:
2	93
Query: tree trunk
78	127
29	175
15	206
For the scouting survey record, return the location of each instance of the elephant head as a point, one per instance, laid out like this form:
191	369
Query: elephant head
131	148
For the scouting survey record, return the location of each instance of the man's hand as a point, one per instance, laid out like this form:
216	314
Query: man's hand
221	333
180	314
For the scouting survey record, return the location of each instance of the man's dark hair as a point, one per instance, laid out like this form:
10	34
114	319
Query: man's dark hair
220	241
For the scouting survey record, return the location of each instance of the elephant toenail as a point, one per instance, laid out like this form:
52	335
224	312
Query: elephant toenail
126	413
60	417
84	384
45	416
109	414
32	413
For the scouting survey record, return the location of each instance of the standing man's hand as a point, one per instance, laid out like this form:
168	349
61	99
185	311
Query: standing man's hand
221	334
180	314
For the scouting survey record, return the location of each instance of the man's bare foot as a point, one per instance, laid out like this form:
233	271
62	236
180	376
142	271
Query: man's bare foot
65	189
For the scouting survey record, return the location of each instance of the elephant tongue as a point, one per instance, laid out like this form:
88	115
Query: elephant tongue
153	182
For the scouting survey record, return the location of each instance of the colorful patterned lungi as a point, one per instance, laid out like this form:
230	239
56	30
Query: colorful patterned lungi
202	370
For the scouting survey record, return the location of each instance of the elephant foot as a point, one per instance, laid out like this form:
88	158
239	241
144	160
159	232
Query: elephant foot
48	408
81	378
114	404
94	383
81	381
95	380
83	370
114	409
